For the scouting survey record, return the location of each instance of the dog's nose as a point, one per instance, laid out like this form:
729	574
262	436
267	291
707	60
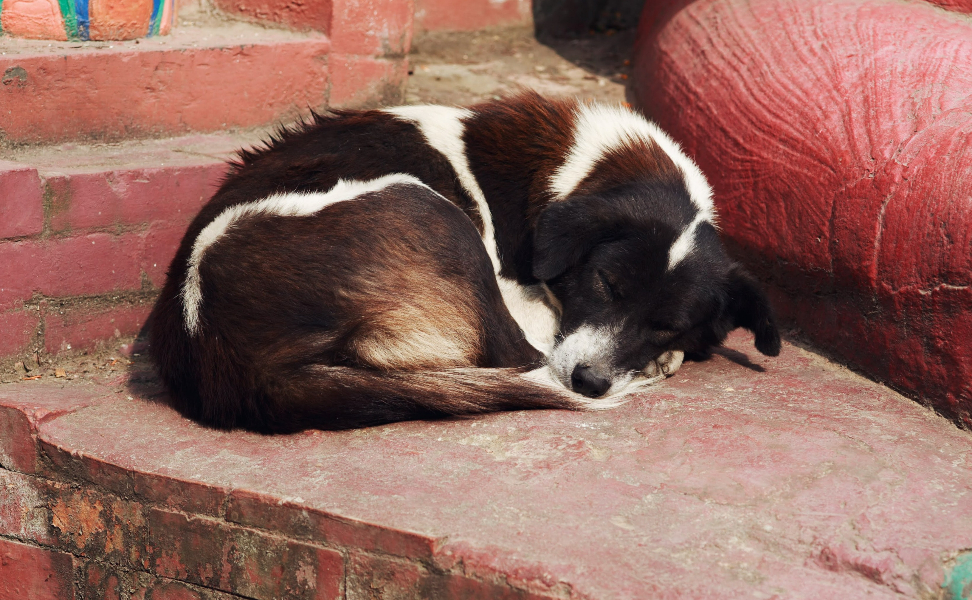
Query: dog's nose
584	381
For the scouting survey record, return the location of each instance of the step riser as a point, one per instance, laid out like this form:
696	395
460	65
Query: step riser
87	263
102	96
139	545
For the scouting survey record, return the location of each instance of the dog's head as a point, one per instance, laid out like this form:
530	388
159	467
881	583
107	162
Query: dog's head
637	273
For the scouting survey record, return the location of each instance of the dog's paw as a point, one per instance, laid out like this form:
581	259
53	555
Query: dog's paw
665	365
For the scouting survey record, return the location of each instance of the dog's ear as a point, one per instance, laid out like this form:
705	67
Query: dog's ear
565	232
750	309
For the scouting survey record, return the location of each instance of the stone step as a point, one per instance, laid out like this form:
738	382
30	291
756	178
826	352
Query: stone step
739	477
87	233
201	78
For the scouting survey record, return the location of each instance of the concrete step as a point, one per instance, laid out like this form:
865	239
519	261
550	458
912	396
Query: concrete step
87	232
198	79
740	477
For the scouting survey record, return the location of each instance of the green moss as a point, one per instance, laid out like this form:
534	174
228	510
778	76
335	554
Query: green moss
958	579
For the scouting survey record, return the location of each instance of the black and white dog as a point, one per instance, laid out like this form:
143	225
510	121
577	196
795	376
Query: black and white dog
417	261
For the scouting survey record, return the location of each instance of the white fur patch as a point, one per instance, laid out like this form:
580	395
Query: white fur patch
590	346
685	242
289	205
528	305
600	129
442	127
593	347
545	377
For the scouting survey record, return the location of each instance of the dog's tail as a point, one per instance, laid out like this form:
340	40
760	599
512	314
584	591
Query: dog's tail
326	397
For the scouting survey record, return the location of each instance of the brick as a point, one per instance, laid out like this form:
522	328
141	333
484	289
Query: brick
86	264
21	200
87	522
84	327
197	79
233	559
17	330
131	196
266	512
371	576
28	572
92	264
372	27
23	511
471	15
81	467
18	451
465	588
158	246
178	494
296	15
484	564
363	81
23	408
109	582
23	270
105	582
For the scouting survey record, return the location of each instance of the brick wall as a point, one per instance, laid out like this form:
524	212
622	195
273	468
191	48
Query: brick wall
82	254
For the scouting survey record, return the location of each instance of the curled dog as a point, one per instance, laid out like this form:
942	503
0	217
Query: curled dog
374	266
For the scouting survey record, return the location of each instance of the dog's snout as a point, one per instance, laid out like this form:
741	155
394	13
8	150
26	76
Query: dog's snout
585	381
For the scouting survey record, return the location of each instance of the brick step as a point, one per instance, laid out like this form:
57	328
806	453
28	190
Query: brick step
87	232
198	79
778	478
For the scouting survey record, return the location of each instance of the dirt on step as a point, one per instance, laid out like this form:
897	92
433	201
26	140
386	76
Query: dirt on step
465	68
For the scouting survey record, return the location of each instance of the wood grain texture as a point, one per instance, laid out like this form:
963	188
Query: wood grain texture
837	138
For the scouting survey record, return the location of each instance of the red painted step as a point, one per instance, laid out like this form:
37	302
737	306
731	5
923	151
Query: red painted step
88	231
784	477
197	79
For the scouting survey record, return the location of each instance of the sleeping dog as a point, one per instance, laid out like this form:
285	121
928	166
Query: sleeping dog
414	262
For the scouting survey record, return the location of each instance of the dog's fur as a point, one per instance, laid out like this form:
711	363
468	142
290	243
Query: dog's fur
335	280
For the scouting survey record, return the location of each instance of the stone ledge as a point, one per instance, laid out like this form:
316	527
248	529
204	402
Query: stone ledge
789	477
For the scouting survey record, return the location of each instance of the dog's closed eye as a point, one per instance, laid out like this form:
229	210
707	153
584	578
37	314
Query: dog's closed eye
608	285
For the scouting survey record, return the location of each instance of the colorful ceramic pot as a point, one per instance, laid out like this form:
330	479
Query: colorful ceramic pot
86	19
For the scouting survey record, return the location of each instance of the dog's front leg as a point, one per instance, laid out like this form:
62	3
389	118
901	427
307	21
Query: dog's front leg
665	365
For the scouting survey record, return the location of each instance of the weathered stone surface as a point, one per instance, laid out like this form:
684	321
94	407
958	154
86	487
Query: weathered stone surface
234	559
89	523
292	517
24	510
108	582
374	576
836	136
24	407
788	477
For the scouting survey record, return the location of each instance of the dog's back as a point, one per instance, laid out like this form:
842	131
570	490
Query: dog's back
370	303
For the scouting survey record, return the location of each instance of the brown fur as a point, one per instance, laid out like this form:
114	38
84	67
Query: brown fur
371	310
636	160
